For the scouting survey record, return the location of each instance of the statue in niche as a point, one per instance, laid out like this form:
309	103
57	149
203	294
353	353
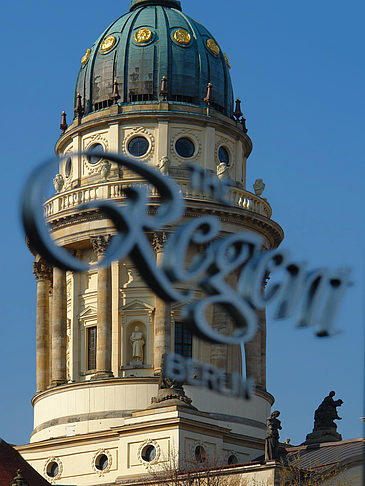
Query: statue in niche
137	342
164	165
222	171
273	425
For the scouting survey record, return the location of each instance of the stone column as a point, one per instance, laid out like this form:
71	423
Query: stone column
104	317
256	352
42	272
59	325
162	327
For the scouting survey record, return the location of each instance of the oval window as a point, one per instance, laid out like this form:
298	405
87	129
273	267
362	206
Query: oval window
223	156
149	453
102	462
232	459
68	167
53	469
200	454
138	146
185	148
94	159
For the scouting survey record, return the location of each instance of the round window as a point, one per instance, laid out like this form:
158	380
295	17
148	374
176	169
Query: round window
138	146
200	454
149	453
94	159
185	148
53	469
223	156
68	167
102	462
232	459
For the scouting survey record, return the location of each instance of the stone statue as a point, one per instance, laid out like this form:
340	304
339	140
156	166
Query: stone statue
325	428
137	342
105	169
58	182
170	393
222	171
164	165
273	425
259	187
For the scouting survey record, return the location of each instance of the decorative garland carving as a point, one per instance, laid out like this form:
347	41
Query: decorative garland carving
228	144
99	138
140	450
135	131
101	452
188	134
60	469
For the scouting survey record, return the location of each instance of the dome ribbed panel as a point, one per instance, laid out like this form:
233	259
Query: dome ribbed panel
141	73
139	68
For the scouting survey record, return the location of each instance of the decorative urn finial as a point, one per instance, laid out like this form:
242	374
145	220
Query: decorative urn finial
63	125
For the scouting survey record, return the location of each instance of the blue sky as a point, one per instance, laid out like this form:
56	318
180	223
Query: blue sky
298	67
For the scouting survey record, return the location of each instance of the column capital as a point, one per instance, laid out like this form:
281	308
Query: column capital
42	270
159	240
100	243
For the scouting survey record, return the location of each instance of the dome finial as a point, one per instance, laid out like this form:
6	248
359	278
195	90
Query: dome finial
164	3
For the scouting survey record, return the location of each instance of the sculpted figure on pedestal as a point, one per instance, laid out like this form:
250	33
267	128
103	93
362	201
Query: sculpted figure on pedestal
273	425
325	428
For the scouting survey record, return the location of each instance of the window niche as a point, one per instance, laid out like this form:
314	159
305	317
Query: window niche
136	337
88	342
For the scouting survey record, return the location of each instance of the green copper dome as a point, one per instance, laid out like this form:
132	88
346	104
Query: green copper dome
155	39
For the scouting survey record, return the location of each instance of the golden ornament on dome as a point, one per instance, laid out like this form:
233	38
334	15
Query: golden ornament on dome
86	57
212	46
143	35
182	37
108	43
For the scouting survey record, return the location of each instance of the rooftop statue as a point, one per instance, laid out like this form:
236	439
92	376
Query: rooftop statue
325	428
273	425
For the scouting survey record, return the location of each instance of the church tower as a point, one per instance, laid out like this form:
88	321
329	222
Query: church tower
155	86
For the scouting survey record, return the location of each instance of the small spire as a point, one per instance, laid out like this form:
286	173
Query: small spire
115	95
63	125
79	110
209	98
238	112
164	91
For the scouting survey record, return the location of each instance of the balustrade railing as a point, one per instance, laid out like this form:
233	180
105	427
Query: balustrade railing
69	200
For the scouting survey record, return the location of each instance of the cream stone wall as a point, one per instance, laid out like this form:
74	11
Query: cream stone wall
174	433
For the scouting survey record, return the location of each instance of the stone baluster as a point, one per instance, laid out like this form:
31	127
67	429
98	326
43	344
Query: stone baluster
104	315
43	275
59	326
162	328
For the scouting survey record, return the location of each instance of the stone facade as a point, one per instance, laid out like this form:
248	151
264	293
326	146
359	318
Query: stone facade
92	403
